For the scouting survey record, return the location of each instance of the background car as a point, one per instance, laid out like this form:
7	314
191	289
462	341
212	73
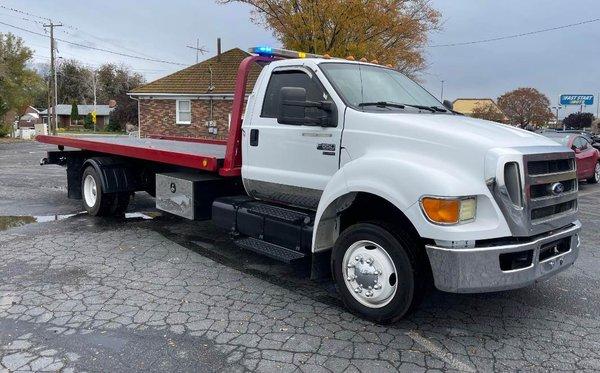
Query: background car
588	157
592	138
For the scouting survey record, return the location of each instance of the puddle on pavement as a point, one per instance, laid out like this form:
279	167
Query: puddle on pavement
8	222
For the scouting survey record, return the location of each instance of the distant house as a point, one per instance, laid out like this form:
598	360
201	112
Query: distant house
466	106
30	118
63	112
193	102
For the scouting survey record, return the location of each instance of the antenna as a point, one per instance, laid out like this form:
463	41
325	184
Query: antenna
199	49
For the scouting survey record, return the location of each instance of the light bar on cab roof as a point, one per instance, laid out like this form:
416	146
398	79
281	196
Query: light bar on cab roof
283	53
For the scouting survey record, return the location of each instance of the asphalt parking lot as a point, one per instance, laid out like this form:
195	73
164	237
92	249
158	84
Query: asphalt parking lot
154	293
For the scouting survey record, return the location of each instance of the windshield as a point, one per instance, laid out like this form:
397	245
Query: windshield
360	84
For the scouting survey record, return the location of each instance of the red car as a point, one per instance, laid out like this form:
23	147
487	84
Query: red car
588	157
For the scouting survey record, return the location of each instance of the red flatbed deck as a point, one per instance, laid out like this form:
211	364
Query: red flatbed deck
207	156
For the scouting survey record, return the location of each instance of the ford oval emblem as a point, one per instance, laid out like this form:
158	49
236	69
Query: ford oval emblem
558	188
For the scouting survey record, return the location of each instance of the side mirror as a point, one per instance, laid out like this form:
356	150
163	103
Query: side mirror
448	105
576	150
292	109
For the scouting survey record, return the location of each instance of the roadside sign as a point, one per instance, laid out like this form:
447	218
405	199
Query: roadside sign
577	100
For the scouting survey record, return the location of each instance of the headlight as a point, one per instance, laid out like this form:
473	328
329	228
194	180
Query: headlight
449	210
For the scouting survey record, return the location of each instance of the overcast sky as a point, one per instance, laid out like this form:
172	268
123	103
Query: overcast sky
563	61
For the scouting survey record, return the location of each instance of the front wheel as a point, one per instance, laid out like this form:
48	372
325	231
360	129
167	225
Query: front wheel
595	179
377	272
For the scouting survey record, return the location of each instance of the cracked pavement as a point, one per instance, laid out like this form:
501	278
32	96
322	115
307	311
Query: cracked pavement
165	294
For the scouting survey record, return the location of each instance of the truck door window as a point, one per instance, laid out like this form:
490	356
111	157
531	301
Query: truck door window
292	78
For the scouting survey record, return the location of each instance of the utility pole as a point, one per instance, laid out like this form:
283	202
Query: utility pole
199	49
442	94
94	86
54	122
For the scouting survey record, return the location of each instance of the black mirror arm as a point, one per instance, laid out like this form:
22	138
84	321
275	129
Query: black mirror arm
323	105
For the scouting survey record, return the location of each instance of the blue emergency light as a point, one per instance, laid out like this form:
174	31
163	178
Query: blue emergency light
266	51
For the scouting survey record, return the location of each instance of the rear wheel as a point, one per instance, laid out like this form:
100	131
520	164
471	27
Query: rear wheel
596	176
377	272
95	201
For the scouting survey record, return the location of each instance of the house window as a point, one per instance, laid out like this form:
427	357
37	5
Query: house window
184	111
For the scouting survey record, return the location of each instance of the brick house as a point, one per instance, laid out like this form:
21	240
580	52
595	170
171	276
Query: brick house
193	102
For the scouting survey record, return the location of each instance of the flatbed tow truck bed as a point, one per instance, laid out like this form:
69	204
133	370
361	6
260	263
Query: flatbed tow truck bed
207	155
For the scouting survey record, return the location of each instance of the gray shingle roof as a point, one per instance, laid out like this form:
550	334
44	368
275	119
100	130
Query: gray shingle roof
64	109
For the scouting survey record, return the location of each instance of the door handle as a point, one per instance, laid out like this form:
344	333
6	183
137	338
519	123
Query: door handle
253	137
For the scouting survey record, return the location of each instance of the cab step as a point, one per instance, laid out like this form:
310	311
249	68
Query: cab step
268	249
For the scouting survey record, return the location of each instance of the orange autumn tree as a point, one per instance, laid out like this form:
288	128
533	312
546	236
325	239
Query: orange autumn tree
389	31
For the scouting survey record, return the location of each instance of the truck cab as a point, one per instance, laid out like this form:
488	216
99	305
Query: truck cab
357	168
371	151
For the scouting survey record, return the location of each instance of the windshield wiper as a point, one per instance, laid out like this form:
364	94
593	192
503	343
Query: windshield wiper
439	109
422	107
382	104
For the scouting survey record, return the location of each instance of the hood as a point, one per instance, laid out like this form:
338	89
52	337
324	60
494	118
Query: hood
450	131
437	139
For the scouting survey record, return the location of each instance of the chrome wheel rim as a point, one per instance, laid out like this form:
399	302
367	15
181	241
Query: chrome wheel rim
370	274
90	191
597	172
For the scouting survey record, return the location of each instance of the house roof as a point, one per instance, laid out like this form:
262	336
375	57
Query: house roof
196	79
64	109
466	105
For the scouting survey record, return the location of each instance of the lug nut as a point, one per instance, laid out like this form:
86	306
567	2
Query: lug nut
369	293
351	278
377	286
369	260
357	290
350	265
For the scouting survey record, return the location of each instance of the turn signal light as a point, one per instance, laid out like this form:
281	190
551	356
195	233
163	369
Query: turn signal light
449	210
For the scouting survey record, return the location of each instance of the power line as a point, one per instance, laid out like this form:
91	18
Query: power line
23	12
74	28
95	48
515	35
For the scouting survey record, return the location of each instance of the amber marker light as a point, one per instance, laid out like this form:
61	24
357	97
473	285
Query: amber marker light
447	211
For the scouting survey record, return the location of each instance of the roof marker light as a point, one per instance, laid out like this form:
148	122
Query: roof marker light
263	51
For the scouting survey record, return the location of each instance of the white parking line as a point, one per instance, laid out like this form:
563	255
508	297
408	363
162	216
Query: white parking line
445	356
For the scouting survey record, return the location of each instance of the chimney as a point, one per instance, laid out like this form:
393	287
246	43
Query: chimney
219	49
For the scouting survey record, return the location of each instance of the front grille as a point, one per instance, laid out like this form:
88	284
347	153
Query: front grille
551	187
548	211
549	166
545	190
536	190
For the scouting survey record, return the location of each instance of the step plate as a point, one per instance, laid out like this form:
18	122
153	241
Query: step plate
268	249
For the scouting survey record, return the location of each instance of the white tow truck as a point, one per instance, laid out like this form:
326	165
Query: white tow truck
358	169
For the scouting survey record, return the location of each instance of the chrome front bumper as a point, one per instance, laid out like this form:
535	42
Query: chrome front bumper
476	270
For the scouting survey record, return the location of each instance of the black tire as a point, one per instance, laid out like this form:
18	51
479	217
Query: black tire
104	202
403	250
121	203
595	179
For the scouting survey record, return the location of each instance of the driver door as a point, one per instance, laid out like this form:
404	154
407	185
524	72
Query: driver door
285	162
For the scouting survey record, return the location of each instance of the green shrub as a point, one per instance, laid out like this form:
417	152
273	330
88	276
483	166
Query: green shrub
87	122
5	129
113	126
